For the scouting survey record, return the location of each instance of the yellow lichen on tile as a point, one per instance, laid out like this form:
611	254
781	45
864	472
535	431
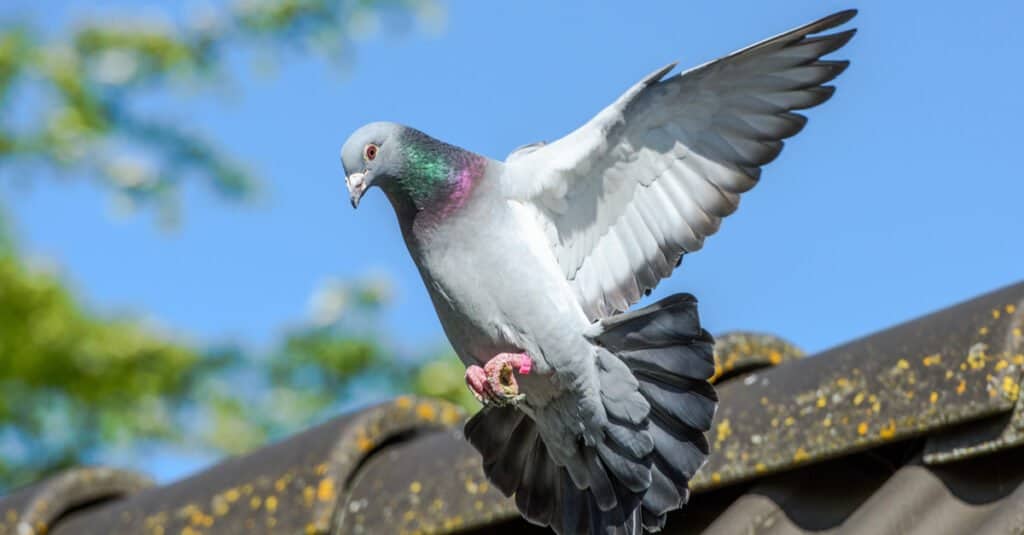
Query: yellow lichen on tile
403	402
995	313
858	399
1010	309
800	455
983	331
962	387
862	428
932	360
363	442
718	372
903	364
450	415
415	487
760	467
723	430
933	397
888	430
453	522
255	502
219	505
426	411
271	504
1010	387
821	402
282	482
325	490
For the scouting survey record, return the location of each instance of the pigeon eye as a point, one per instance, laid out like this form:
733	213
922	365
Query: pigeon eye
370	151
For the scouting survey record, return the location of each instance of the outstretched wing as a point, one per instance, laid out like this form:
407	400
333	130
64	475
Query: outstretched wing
623	197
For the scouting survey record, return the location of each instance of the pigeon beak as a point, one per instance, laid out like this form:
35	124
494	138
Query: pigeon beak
356	183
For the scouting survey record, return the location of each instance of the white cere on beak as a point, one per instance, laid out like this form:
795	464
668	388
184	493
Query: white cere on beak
355	180
356	186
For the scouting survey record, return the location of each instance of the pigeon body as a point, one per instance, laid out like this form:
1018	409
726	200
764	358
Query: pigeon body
542	254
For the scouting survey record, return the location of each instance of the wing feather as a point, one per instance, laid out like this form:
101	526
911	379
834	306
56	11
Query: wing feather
652	175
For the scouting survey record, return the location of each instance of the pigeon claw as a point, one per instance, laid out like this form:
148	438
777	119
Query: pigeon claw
476	380
495	383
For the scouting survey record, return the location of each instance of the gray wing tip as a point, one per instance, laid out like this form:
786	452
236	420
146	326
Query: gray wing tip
844	16
659	74
825	23
831	21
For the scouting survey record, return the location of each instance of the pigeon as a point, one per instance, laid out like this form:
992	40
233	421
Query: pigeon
594	417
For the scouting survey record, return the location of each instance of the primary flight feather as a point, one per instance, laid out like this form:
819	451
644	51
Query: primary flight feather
594	417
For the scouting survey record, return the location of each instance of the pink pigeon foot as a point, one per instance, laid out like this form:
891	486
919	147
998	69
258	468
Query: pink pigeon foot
476	380
495	383
501	379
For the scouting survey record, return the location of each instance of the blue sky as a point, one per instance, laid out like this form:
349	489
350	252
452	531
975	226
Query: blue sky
901	196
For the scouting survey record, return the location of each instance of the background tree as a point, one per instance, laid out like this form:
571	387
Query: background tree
74	384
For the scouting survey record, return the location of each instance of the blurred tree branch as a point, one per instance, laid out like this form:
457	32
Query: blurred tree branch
74	384
89	80
71	381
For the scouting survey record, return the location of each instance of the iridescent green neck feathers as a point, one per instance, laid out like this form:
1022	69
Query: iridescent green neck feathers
436	177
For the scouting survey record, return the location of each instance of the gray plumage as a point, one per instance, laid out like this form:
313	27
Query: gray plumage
542	254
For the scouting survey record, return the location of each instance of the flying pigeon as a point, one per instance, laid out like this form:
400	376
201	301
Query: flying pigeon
594	418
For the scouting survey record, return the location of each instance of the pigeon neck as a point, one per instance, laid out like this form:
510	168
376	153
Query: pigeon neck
436	177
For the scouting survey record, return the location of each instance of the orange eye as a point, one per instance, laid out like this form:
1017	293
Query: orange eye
370	151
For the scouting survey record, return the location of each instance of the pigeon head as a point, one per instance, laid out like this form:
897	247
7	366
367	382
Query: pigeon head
414	169
371	156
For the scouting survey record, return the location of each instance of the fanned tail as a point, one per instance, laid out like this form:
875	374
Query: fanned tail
653	366
672	357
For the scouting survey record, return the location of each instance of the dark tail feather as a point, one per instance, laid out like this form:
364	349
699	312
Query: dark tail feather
672	358
517	461
653	365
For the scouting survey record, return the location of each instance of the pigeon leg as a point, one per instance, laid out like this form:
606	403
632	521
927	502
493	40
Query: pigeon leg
501	379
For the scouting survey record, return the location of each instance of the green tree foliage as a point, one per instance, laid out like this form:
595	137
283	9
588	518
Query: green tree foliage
88	81
71	382
326	366
74	384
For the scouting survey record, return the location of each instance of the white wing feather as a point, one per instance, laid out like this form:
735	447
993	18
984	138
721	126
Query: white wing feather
646	180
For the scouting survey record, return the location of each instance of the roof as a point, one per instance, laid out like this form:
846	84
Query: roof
911	429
